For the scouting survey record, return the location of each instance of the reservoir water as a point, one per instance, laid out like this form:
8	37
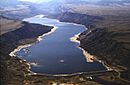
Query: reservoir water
56	53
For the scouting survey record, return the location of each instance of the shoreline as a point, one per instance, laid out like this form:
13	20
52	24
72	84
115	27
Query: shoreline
72	39
28	45
13	53
31	77
89	57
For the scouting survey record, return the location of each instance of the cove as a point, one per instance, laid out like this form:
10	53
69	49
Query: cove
56	53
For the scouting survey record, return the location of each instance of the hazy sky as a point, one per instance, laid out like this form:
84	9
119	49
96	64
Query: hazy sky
38	1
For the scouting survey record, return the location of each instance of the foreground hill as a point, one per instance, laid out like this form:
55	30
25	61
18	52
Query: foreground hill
13	34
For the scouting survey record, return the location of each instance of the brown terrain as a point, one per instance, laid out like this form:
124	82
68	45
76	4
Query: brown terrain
107	38
7	25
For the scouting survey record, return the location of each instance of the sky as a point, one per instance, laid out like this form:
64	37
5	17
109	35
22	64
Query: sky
38	1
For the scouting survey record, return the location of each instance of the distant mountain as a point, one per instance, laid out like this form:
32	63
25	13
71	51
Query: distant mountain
109	2
8	3
55	6
99	2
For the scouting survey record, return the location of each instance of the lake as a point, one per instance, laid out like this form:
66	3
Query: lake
56	53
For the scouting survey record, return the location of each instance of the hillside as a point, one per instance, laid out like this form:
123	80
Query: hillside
13	34
7	25
108	36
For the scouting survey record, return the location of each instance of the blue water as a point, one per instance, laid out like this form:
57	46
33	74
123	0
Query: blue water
56	54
